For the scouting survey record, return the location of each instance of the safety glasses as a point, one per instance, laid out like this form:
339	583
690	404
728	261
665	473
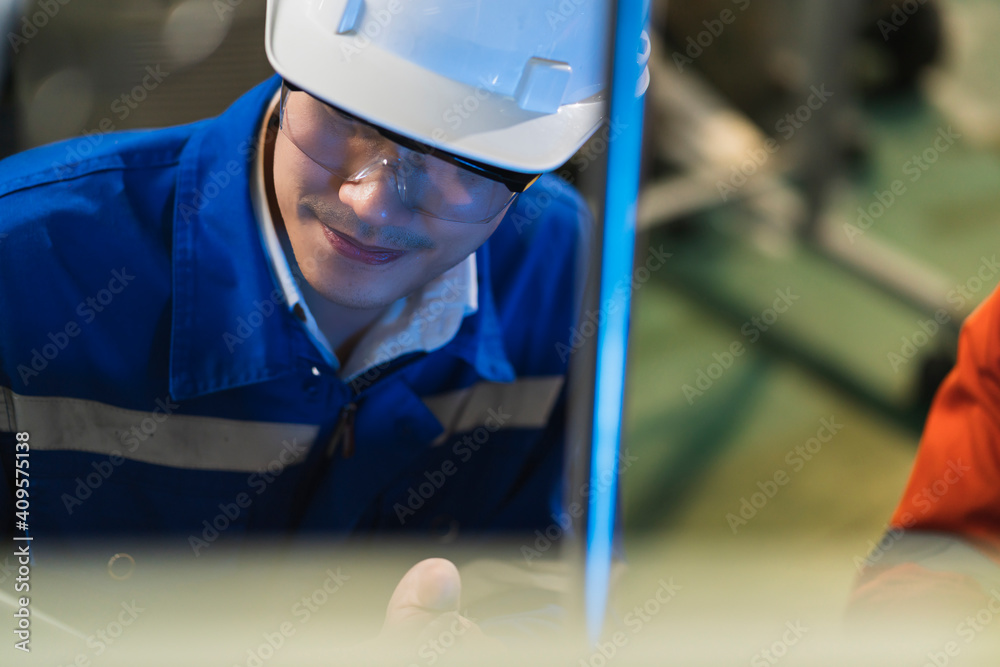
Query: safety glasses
429	181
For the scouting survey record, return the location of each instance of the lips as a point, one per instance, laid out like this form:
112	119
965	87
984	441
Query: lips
351	249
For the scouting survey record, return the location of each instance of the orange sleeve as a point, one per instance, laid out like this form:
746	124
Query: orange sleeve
955	482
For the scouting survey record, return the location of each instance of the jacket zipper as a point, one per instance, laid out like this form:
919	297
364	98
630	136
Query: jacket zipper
343	433
342	438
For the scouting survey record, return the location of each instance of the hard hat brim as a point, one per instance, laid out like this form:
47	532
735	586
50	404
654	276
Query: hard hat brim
387	90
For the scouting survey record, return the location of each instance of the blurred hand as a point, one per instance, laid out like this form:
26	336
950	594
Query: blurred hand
423	613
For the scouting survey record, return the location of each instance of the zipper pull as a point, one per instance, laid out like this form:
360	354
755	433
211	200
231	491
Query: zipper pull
344	432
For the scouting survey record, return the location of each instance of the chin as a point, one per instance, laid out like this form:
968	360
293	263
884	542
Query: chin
357	300
362	291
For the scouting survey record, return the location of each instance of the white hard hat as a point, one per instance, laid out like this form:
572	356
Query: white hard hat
512	83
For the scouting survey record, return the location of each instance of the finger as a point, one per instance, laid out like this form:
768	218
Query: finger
430	588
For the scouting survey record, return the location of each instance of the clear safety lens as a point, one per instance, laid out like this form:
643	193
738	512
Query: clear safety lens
354	150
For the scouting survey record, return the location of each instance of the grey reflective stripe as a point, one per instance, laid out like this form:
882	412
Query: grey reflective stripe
7	423
524	403
159	436
940	552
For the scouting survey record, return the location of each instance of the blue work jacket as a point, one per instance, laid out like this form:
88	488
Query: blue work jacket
166	388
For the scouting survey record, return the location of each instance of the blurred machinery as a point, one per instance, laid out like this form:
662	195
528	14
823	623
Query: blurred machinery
110	64
725	75
10	15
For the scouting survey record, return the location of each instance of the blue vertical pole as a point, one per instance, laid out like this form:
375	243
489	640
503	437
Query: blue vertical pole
622	191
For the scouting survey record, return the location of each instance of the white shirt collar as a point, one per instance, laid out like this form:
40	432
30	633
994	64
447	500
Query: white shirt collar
422	321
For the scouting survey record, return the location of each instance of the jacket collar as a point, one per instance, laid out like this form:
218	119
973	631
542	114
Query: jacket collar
230	324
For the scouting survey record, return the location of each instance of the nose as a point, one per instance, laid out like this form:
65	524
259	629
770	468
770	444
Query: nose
374	198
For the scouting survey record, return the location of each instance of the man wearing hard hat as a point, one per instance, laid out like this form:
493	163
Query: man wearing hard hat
337	306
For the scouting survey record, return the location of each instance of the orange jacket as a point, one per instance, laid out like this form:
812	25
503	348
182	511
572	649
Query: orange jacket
955	483
954	488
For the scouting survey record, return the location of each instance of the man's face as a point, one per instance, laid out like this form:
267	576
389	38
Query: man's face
354	241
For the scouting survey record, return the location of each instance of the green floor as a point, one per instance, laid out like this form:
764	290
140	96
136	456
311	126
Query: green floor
700	458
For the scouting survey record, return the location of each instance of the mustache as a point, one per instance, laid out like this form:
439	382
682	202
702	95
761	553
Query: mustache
398	238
